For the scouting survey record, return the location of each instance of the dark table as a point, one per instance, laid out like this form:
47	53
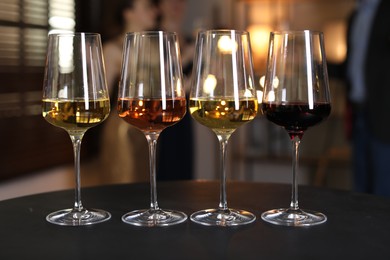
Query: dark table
358	225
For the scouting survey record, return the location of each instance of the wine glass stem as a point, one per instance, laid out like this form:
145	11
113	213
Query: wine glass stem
152	142
223	141
295	166
76	141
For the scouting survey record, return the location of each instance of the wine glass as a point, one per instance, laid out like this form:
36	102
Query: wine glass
222	98
296	97
151	98
75	98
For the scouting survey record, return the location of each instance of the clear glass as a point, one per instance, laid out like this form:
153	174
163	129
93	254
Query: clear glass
222	98
151	98
296	96
75	98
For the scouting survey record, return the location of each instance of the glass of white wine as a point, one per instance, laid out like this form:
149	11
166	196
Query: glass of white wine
75	98
223	98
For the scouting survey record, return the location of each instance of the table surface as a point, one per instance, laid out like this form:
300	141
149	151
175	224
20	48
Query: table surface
358	225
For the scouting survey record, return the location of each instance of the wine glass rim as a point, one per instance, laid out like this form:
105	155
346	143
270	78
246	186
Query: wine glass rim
150	33
222	31
297	32
74	34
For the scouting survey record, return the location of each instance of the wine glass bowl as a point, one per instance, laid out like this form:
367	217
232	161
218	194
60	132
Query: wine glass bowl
151	98
297	117
148	115
222	98
75	98
75	115
296	96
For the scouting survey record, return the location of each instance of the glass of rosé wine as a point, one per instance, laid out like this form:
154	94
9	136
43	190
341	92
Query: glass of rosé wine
151	97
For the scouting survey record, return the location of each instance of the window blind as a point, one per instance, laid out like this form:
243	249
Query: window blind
30	142
24	25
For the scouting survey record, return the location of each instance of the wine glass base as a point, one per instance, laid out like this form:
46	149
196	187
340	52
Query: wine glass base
291	217
154	218
219	217
72	217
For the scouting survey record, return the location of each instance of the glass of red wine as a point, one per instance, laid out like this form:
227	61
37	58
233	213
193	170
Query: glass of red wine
296	96
151	97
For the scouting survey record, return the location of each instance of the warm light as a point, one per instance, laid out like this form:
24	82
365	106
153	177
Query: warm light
209	84
262	81
275	82
140	103
63	93
271	96
335	41
259	41
140	89
59	31
223	102
259	96
284	95
250	82
179	88
65	23
227	44
248	93
65	48
61	16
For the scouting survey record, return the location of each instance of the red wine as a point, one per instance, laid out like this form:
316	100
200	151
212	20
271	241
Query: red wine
150	114
296	117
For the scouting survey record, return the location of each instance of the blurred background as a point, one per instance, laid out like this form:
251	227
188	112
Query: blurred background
37	157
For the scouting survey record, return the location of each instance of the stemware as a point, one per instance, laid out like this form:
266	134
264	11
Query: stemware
75	98
222	98
296	96
151	98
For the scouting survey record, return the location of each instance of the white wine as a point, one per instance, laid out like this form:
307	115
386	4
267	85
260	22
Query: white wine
223	115
75	115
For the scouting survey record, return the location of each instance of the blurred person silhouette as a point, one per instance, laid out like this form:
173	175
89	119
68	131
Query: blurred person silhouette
368	77
172	13
176	143
124	151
